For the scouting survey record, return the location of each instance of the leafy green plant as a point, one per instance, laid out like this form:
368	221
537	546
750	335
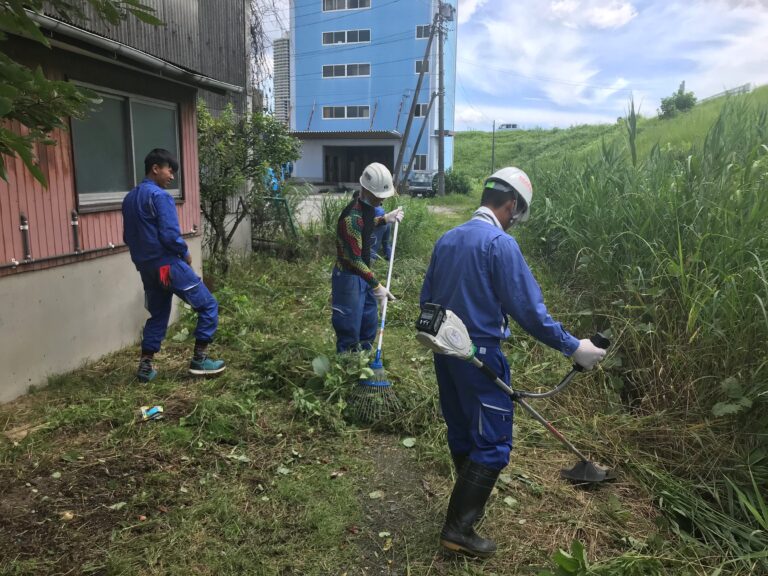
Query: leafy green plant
680	101
235	156
457	182
575	563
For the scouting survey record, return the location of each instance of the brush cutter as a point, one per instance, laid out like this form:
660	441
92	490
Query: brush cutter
443	332
373	398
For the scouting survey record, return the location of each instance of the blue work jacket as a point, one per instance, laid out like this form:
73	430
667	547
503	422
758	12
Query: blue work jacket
478	272
151	227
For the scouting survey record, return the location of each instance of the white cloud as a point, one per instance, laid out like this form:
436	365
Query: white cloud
467	8
594	13
500	56
586	57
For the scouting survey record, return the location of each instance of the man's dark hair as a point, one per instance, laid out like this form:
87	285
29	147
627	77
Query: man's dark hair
161	157
498	195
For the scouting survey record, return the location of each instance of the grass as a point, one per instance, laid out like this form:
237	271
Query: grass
257	472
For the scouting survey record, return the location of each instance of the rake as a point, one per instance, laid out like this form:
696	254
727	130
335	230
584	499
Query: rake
373	399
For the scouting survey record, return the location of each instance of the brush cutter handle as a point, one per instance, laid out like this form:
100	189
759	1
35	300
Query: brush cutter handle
598	340
518	397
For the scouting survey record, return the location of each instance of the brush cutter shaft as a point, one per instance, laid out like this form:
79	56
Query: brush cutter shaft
389	279
517	397
563	383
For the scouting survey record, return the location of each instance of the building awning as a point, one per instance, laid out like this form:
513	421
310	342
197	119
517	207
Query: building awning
347	135
134	55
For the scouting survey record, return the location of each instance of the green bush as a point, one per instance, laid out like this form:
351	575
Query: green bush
457	183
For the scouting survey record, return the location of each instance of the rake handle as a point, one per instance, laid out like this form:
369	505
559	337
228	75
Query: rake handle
389	279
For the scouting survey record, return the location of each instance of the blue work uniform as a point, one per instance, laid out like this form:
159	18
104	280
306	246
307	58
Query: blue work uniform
153	236
478	272
380	241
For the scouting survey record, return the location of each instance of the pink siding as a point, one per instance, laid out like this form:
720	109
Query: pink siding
49	210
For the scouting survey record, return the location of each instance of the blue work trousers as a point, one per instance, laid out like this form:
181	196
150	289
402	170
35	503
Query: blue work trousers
157	300
354	311
478	414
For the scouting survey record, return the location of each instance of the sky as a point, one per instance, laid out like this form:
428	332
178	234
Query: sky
560	63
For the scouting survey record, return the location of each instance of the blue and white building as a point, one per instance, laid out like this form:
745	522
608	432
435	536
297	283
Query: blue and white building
354	65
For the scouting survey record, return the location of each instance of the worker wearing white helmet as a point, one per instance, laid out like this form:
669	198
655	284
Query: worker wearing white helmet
355	289
478	272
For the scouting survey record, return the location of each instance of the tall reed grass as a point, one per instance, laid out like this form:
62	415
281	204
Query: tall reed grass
673	244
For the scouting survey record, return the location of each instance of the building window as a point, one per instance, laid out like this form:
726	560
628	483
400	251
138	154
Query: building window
422	32
110	144
329	5
420	162
342	112
346	37
346	70
420	64
421	110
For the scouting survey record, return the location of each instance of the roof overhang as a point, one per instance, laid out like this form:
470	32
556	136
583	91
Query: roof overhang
347	135
132	55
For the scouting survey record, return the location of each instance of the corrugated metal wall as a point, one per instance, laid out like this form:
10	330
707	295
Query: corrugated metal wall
49	210
207	36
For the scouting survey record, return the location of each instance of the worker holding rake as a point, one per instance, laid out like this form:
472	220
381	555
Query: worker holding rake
478	272
355	290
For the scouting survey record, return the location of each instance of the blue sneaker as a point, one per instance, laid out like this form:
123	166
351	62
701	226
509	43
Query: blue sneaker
146	373
206	366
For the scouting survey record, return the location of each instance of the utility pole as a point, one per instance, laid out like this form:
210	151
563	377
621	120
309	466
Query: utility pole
446	15
493	148
441	107
404	141
418	138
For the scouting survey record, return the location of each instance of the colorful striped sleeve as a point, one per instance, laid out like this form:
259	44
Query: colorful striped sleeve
349	247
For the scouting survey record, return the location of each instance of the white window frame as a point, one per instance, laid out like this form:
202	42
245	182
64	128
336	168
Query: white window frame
346	70
421	110
419	62
100	199
346	112
425	29
346	6
420	159
346	37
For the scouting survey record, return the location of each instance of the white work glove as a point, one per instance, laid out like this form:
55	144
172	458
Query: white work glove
587	355
381	294
396	214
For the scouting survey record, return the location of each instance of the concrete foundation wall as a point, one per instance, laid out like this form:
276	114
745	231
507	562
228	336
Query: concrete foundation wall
55	320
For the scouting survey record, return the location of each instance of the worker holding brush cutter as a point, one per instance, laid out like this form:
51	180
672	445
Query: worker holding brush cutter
355	290
478	272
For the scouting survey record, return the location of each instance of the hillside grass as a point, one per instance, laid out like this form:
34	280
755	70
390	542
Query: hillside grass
672	248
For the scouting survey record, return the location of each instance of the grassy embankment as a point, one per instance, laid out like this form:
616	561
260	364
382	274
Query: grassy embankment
665	224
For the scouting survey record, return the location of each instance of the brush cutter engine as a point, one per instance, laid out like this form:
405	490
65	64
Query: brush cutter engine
443	332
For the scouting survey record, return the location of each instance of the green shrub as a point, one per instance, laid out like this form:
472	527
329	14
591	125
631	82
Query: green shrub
457	183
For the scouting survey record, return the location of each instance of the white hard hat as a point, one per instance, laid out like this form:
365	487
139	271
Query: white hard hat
377	180
517	180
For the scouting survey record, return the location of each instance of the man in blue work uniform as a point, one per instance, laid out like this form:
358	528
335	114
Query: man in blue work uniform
478	272
153	236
